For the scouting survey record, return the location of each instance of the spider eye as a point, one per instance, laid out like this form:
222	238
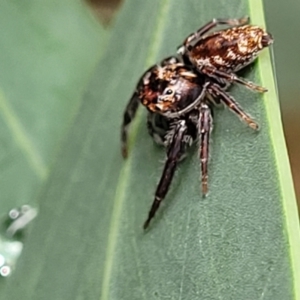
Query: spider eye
169	92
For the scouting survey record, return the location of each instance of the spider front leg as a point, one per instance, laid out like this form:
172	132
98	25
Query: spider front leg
204	29
217	92
230	77
178	142
205	126
129	115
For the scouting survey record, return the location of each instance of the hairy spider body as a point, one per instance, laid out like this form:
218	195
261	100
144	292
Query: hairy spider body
170	88
180	92
222	53
229	50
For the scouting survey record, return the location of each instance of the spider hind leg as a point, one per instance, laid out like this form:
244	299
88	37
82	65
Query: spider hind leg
231	78
207	27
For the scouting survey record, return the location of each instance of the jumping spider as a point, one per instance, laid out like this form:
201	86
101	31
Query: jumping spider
181	91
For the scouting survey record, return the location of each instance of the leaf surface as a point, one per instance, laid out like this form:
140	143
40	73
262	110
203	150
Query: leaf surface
48	52
237	243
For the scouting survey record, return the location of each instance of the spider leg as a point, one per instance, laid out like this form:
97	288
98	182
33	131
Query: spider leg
231	77
177	147
129	115
205	127
230	102
210	25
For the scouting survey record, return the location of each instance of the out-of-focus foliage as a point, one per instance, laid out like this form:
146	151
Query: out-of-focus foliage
48	52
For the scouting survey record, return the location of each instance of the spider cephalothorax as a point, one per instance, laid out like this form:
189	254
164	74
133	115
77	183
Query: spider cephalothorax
169	88
180	92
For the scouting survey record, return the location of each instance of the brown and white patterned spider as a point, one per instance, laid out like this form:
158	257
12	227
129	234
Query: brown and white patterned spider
181	91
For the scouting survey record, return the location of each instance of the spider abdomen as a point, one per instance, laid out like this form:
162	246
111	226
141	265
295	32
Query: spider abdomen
230	49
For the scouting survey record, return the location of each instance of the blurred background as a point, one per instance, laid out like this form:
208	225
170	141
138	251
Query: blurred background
283	22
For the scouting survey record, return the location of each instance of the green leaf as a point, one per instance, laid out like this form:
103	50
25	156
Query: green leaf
240	242
48	52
